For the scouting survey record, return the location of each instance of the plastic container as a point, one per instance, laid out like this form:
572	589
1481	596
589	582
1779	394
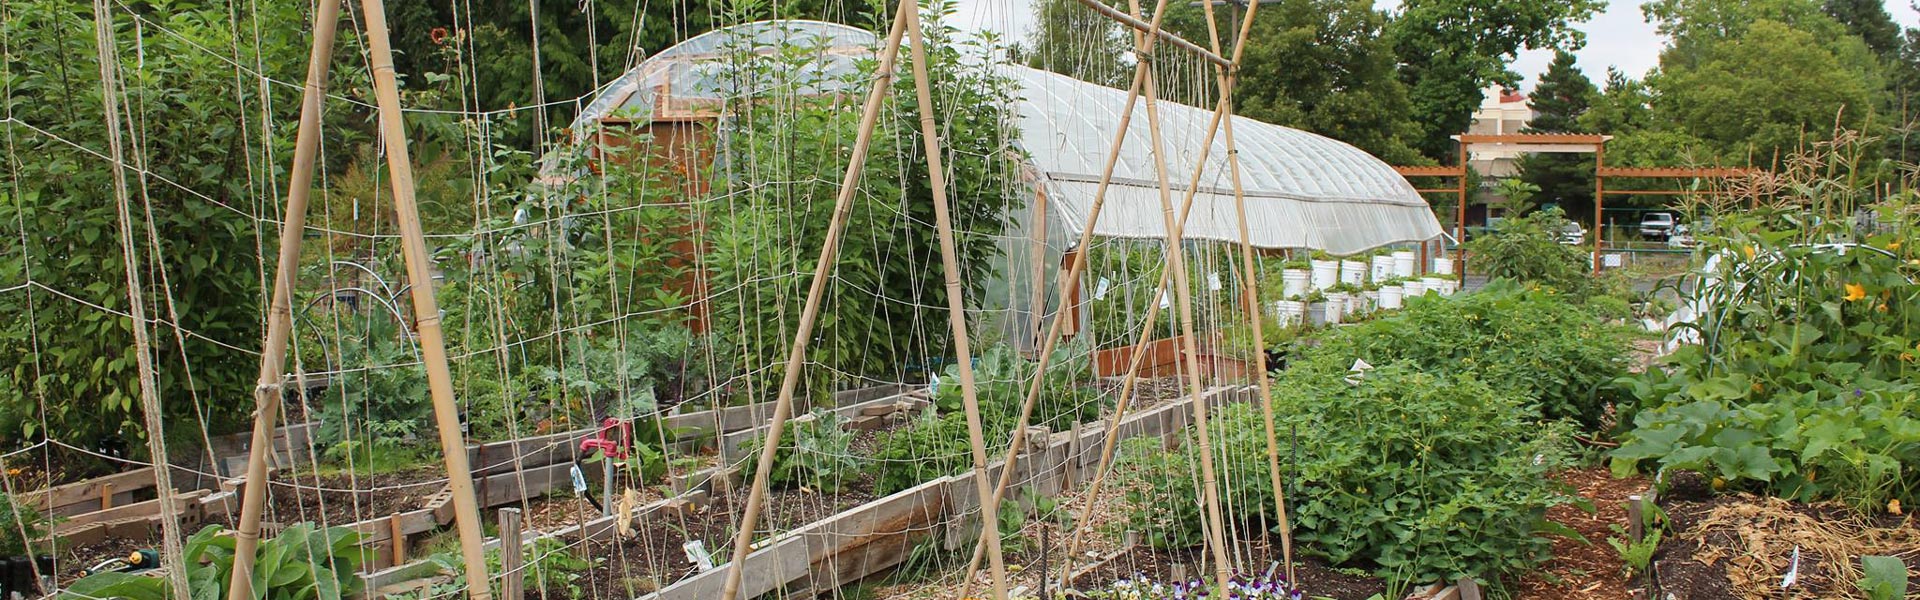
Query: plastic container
1326	274
1390	297
1323	313
1353	272
1382	268
1293	282
1413	287
1337	303
1289	312
1404	262
1437	285
1443	265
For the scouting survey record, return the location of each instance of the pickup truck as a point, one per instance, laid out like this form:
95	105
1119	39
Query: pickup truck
1657	225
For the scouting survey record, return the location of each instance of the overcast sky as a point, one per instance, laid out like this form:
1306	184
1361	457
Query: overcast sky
1619	37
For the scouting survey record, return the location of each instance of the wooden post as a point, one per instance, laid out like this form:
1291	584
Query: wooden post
397	539
273	353
822	269
514	577
1460	236
1469	589
106	495
426	310
956	306
1636	518
1599	200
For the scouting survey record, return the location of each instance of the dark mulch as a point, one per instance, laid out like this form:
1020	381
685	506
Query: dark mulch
1589	569
342	499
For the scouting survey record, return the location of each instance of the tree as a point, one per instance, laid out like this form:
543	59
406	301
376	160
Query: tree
1769	88
1079	43
1869	20
1563	96
1626	105
1450	50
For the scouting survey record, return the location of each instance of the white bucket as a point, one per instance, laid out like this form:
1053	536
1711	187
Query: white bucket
1413	287
1443	266
1288	312
1293	283
1337	303
1390	297
1326	274
1437	285
1353	272
1404	262
1382	268
1323	313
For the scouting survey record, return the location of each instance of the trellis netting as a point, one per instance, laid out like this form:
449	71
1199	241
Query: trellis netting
1304	191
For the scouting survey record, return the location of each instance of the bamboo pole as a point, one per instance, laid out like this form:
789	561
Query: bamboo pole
1067	286
1249	280
136	304
822	269
273	353
956	308
433	349
1189	344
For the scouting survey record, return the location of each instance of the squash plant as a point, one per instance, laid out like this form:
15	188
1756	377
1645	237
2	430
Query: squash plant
301	563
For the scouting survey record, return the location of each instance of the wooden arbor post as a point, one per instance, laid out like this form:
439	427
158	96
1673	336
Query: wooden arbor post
420	277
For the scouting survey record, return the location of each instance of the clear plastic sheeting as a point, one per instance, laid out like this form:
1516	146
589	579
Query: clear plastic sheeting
1302	190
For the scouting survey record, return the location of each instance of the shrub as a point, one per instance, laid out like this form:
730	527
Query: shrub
301	562
1555	356
1426	476
935	445
1527	248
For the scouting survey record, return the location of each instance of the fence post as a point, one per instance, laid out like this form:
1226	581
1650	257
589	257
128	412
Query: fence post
513	585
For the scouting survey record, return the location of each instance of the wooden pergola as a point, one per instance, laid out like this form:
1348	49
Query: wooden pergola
1560	143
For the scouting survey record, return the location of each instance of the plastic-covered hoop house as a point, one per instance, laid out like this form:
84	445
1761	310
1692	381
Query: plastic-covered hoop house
1304	191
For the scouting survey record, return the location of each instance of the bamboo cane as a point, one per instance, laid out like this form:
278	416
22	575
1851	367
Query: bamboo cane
433	349
136	304
1249	282
796	357
956	308
1183	297
273	353
1057	327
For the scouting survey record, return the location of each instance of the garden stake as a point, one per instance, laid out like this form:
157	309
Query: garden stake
956	307
433	350
136	304
1249	282
796	357
273	353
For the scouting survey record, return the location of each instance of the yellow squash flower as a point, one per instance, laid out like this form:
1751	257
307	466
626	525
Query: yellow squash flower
1749	250
1856	292
1893	245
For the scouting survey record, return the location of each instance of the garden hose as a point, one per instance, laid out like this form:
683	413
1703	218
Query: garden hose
139	560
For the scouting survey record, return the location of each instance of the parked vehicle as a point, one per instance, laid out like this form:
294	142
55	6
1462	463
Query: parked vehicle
1682	238
1657	225
1573	234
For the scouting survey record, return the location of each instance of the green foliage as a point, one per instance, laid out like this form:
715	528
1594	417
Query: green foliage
1070	40
1427	477
1451	50
16	519
378	407
301	563
1883	577
1636	556
937	443
1527	248
885	302
817	453
197	164
1802	380
1556	356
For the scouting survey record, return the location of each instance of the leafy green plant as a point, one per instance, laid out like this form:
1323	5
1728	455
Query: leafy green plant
935	445
816	452
1527	248
1883	577
17	518
1799	378
1637	556
301	563
1425	476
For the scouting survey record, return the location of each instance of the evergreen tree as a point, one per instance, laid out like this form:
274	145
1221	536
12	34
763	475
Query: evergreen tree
1869	20
1563	95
